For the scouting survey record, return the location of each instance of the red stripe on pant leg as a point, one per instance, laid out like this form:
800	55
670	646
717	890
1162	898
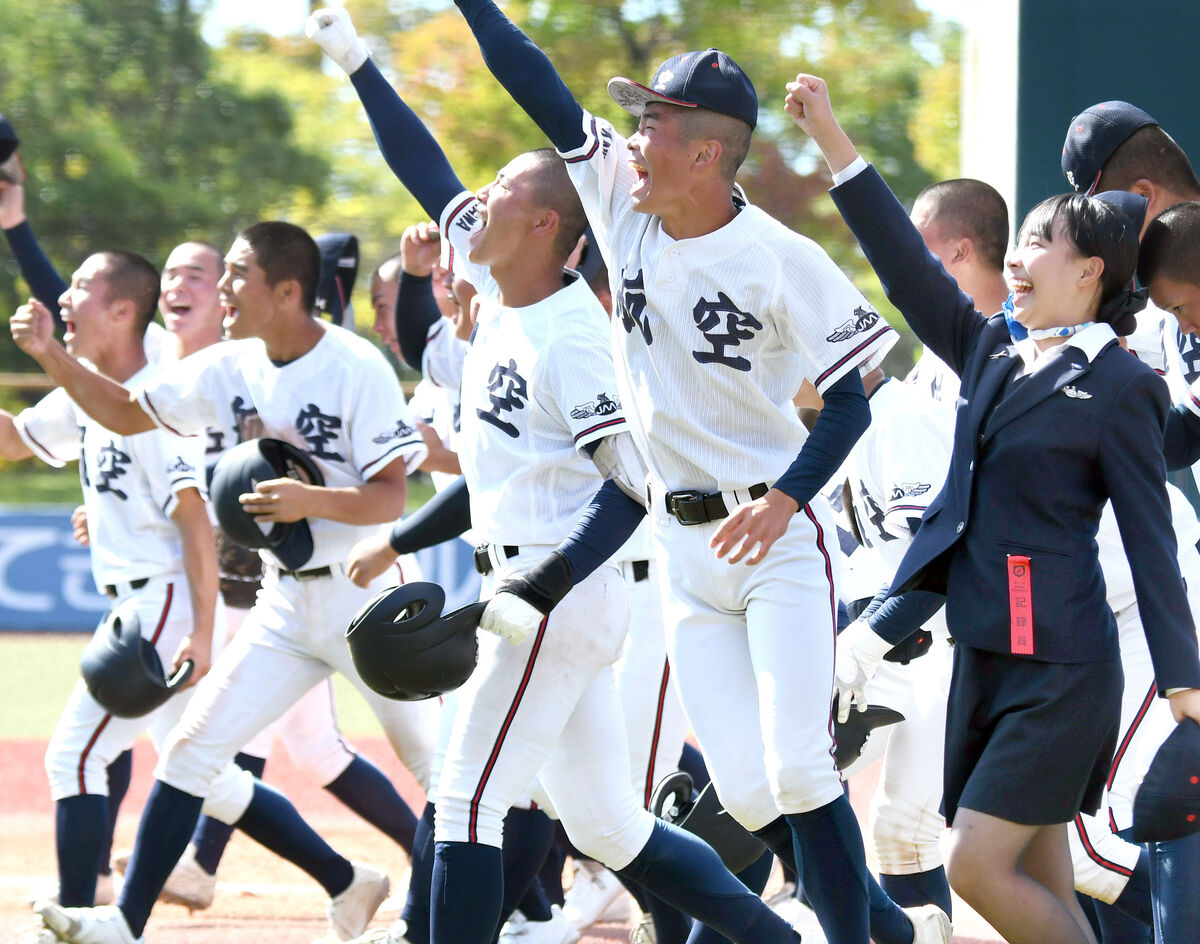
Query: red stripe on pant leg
162	618
1095	856
658	718
88	749
1125	741
473	819
808	513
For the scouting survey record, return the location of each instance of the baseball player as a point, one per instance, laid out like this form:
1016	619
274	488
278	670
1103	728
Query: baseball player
355	427
709	292
537	393
893	472
964	222
150	539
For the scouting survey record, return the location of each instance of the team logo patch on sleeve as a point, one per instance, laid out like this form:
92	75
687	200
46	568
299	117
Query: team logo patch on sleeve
862	319
724	326
181	466
603	405
909	490
400	431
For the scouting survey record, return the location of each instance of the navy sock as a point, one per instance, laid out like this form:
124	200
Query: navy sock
644	899
416	905
1134	899
468	887
832	866
272	821
691	762
1115	927
211	836
754	877
534	904
80	827
550	876
683	870
367	791
167	823
671	926
528	836
919	888
120	772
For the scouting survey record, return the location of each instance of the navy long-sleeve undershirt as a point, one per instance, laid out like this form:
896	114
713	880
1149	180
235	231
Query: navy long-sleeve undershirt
45	283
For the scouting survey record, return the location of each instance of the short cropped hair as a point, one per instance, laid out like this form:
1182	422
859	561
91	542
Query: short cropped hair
552	189
733	133
965	207
1096	228
1171	246
1153	154
285	251
133	278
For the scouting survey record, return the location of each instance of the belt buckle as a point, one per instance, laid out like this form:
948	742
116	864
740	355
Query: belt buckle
684	497
483	561
304	576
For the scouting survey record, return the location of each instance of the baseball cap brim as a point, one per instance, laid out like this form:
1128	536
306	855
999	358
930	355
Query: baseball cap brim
634	97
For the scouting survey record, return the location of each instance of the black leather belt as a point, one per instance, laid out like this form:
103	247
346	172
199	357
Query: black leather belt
641	570
313	574
692	507
111	589
483	562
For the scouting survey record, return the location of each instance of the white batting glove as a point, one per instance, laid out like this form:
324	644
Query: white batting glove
510	618
332	30
859	652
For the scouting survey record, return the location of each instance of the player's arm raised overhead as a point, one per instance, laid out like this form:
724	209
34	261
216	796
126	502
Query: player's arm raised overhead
44	280
526	74
105	401
408	147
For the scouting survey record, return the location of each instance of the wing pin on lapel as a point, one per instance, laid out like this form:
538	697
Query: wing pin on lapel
1075	393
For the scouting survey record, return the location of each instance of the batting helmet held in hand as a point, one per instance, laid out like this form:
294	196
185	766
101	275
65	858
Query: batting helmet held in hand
704	816
851	738
404	648
122	670
243	467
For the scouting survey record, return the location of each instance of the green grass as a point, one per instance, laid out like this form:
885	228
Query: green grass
40	670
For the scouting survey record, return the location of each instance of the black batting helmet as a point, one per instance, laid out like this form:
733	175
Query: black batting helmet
404	648
243	467
123	671
8	139
339	268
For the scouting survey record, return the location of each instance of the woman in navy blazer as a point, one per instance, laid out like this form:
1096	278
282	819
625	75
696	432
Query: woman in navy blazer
1049	427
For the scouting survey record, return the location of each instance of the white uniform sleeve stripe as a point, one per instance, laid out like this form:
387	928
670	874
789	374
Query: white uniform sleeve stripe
834	368
407	444
591	146
154	415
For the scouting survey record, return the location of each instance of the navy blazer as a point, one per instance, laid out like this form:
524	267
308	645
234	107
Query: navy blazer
1032	470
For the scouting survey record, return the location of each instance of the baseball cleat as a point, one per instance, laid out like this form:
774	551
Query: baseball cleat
351	911
558	930
103	925
930	924
643	932
105	891
595	894
393	934
188	884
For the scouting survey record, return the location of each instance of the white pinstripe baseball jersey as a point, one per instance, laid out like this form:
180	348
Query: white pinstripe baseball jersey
537	387
343	406
130	483
713	335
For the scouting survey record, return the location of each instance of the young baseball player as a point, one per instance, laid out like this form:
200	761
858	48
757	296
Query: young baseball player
964	222
150	539
1035	696
538	407
722	313
355	427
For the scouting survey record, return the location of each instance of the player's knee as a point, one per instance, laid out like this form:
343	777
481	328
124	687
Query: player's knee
229	795
322	763
615	845
458	820
71	773
906	837
186	767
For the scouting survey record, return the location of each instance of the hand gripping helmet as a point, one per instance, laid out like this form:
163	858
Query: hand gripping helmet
243	467
122	670
404	648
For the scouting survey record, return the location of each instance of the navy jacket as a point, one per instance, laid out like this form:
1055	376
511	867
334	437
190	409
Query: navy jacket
1031	471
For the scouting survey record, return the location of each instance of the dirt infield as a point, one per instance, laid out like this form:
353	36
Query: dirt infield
259	898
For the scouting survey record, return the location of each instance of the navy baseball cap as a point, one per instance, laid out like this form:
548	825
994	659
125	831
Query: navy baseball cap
1167	804
339	269
8	139
1093	136
708	79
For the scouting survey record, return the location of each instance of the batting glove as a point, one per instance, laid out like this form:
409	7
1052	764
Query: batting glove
332	30
859	652
510	617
